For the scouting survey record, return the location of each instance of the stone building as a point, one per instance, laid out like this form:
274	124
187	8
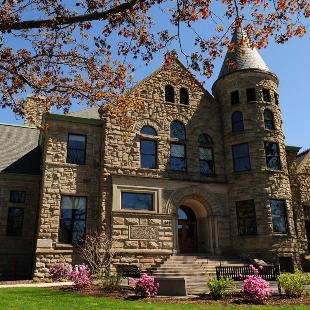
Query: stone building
197	173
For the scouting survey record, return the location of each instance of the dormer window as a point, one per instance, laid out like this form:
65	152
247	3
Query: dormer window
266	95
169	93
234	97
184	98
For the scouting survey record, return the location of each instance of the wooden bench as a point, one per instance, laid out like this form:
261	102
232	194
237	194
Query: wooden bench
237	273
128	271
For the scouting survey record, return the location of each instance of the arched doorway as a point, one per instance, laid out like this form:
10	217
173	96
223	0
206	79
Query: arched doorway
187	230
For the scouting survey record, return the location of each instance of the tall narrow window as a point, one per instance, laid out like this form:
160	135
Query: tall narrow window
237	122
246	217
206	161
72	219
184	98
76	149
178	146
272	155
268	120
148	148
276	98
234	97
279	218
241	157
251	94
15	219
266	95
18	196
169	93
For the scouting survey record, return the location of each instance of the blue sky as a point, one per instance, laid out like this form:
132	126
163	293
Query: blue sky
291	63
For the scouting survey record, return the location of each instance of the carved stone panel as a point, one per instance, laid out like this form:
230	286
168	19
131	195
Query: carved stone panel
143	232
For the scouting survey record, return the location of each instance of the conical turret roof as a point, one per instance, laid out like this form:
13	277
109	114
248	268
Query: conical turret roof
242	57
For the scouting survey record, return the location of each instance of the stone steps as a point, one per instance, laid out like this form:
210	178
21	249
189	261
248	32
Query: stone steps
195	269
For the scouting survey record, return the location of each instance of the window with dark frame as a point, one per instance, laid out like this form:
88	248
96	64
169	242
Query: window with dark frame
241	157
15	220
137	201
268	120
148	148
246	217
177	146
251	94
72	221
234	97
237	124
272	153
169	93
17	196
206	157
279	217
184	97
76	149
266	95
276	98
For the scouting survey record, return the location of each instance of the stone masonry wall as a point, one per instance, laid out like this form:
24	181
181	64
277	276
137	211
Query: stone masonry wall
61	178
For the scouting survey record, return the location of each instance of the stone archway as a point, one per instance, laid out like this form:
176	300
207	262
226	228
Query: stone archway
205	206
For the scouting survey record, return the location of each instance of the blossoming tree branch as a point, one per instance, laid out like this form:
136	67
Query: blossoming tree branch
86	51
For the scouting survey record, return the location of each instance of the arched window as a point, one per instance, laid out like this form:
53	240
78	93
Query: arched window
184	98
148	130
268	120
237	122
206	158
177	146
148	148
169	93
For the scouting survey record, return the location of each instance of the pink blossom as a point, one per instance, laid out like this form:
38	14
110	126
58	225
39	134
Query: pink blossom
145	286
80	275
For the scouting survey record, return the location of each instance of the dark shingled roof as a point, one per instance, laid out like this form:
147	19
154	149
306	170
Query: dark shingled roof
19	152
299	158
243	57
91	113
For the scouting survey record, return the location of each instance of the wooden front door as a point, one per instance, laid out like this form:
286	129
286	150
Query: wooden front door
187	230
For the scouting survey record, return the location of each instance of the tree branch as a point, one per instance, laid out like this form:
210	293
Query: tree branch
67	20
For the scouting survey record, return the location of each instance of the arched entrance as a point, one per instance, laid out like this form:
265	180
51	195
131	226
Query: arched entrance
187	230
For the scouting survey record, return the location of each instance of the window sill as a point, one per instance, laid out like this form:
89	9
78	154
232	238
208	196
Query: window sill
148	137
178	104
278	234
66	246
132	211
273	170
150	169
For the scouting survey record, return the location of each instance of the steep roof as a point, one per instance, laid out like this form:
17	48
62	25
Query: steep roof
302	157
242	57
91	113
19	152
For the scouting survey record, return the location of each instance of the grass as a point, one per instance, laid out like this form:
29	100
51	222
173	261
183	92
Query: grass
42	298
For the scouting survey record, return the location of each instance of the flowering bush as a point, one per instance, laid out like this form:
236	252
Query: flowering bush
219	288
80	275
255	287
59	271
145	286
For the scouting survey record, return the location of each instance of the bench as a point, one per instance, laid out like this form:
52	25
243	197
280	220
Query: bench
128	271
237	273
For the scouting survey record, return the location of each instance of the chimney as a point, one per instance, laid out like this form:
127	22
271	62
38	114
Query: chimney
34	108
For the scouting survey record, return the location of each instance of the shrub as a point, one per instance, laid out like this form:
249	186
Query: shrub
80	275
293	284
108	281
255	287
144	286
59	271
219	288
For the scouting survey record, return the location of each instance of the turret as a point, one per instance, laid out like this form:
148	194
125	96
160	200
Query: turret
256	168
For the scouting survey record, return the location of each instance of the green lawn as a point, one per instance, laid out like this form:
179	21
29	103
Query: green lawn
42	298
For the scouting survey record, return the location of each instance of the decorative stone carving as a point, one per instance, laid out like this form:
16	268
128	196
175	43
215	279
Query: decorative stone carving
143	232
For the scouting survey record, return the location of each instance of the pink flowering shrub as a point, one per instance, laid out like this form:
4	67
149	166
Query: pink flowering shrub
255	287
144	286
80	275
59	271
